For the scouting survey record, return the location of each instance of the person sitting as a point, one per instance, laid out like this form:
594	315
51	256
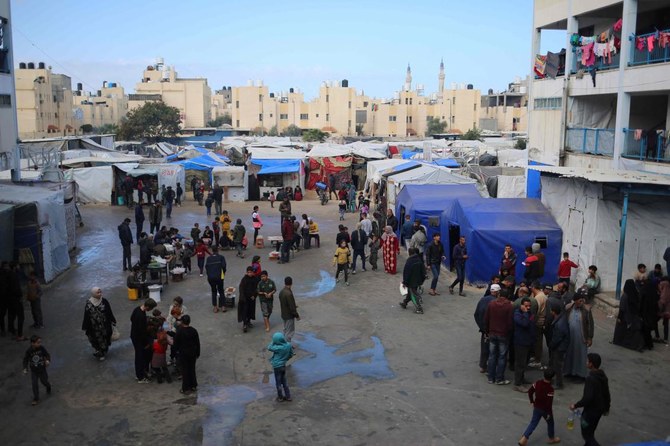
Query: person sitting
592	282
297	194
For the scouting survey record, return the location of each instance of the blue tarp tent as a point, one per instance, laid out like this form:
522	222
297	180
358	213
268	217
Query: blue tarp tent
427	202
447	162
490	223
275	166
204	162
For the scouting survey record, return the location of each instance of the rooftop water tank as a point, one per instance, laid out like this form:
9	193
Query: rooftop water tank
290	90
345	83
80	86
470	86
41	65
31	66
22	65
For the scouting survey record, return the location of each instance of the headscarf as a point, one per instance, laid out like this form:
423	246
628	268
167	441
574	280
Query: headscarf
93	299
388	232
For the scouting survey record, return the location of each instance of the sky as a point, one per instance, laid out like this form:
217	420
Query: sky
289	43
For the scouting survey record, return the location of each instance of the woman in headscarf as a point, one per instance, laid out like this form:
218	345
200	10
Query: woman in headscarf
664	306
628	328
98	322
246	307
649	311
390	250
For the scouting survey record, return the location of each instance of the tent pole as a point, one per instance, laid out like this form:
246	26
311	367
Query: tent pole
622	243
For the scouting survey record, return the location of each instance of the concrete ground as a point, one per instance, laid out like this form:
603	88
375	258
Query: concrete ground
366	371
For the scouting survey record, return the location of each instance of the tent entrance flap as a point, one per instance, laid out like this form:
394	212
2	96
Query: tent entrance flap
454	232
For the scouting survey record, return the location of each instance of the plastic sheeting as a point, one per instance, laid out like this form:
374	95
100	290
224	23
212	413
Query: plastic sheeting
234	181
591	228
511	186
489	224
274	166
375	169
94	184
6	228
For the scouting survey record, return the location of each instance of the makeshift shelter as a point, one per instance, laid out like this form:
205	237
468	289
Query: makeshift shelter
94	184
165	174
272	168
233	179
427	202
346	163
200	167
488	224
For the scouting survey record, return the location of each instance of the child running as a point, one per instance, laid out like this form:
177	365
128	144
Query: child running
38	358
541	396
282	351
342	259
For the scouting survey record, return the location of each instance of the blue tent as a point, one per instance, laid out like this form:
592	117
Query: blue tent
447	162
202	163
490	223
427	202
276	166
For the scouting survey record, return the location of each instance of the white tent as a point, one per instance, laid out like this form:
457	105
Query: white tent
329	150
234	180
380	147
376	168
94	184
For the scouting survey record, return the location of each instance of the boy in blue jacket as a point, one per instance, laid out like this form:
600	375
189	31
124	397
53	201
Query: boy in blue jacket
282	351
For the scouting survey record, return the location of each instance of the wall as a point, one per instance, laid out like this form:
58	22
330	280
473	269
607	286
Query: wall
8	122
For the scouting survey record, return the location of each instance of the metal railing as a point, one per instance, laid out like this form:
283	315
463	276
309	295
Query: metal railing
644	57
591	141
636	146
601	63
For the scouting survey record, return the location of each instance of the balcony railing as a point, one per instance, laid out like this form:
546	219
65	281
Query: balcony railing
601	63
591	141
637	146
646	57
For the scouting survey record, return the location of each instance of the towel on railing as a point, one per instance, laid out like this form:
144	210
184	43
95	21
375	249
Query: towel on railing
637	134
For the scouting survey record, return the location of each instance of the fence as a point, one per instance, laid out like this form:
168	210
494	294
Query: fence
643	56
592	141
637	146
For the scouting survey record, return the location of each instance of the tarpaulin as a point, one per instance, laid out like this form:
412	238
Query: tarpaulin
274	166
321	168
94	184
447	162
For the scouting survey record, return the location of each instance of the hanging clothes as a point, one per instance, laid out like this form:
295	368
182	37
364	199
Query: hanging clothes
552	65
540	65
588	56
650	43
592	70
639	43
574	39
637	134
664	39
618	25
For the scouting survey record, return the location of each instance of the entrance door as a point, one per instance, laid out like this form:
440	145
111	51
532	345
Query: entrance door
454	236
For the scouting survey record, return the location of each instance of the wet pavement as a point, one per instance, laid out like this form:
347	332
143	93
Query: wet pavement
366	372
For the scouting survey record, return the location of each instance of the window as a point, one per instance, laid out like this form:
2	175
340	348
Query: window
271	180
283	116
406	101
260	116
475	106
4	50
408	119
260	98
453	100
410	101
349	123
327	116
237	123
237	104
5	100
453	119
392	118
365	103
317	115
304	116
349	104
270	114
428	118
548	103
327	97
434	222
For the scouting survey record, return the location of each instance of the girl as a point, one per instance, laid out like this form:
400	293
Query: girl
201	251
343	208
297	195
257	223
341	259
272	199
374	251
256	266
159	358
314	232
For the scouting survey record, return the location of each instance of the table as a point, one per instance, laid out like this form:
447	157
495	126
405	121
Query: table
276	241
160	269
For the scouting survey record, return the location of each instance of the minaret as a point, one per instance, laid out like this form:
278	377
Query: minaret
440	83
408	79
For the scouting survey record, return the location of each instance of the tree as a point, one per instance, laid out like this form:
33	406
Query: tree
292	130
435	126
359	129
314	135
258	131
218	122
86	128
520	144
474	134
273	131
151	121
107	129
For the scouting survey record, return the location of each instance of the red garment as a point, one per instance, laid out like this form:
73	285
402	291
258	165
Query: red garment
618	25
531	258
498	318
541	396
639	43
664	39
159	348
287	230
342	194
565	268
201	250
588	55
390	250
650	43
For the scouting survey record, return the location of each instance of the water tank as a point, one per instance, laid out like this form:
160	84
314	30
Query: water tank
31	66
22	65
112	84
104	84
80	86
259	83
452	86
517	79
490	91
41	65
345	83
250	83
229	88
470	86
99	93
290	90
461	86
272	95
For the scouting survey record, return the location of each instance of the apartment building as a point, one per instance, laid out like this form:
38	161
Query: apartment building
192	96
107	107
8	123
606	104
506	111
221	103
43	102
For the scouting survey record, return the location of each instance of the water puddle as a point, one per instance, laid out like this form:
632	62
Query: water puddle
227	405
317	289
86	255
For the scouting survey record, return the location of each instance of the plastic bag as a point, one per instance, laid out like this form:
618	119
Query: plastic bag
116	335
403	290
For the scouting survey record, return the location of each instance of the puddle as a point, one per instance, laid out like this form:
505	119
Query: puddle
317	289
227	405
87	254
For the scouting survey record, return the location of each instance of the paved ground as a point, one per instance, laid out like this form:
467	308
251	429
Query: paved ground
366	373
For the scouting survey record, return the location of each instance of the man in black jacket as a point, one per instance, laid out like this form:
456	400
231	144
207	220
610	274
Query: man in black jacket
126	237
139	335
595	400
413	276
434	258
358	242
215	265
187	343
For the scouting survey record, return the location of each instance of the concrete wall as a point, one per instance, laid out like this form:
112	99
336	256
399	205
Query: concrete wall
8	123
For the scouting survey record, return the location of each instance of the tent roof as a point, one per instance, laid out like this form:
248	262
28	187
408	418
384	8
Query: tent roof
607	175
375	168
447	162
275	153
430	174
506	214
433	196
272	166
326	150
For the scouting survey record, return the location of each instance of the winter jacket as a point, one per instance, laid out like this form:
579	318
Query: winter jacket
125	234
342	256
281	350
414	273
524	328
457	254
596	398
532	271
238	233
358	240
559	334
418	241
480	311
434	253
215	266
156	214
498	318
289	310
139	214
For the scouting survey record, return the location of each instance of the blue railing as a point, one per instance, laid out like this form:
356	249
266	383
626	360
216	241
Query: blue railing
591	141
601	63
644	56
636	146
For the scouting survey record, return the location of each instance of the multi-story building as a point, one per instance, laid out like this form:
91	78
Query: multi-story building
221	103
192	96
8	124
43	102
506	111
610	109
107	107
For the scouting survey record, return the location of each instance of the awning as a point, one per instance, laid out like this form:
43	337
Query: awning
275	166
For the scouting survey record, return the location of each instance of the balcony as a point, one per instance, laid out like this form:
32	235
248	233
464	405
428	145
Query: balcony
601	64
645	147
646	57
591	141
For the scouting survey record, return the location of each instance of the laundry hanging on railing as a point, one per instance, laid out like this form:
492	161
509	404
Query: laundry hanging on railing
550	64
603	45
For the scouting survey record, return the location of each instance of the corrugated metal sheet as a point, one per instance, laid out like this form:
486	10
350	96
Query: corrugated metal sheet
607	176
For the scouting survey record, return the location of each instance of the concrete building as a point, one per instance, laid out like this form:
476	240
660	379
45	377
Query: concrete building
192	96
106	107
506	111
221	103
43	102
619	117
8	122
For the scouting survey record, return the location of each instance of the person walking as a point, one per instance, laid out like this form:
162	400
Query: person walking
34	297
289	310
541	396
187	343
413	276
98	323
142	342
256	222
178	194
390	250
246	306
139	220
282	351
565	269
358	242
434	258
524	338
215	266
595	400
239	232
284	210
37	358
287	236
126	237
266	291
12	288
194	188
480	312
217	195
155	217
498	325
580	322
169	201
459	255
342	259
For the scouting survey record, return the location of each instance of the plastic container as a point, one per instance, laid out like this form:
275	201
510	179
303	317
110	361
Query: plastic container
571	420
155	292
260	242
120	201
133	293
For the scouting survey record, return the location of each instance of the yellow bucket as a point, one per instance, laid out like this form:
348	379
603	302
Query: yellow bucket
132	293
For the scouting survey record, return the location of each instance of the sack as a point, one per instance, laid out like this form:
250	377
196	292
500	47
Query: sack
116	335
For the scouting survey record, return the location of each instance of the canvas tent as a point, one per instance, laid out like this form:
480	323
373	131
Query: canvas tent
346	163
94	184
273	168
490	223
200	167
233	179
165	174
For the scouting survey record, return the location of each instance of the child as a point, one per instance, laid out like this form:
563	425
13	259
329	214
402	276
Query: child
314	232
361	198
374	246
195	233
186	257
541	396
208	204
256	266
239	231
565	268
343	209
282	351
342	259
39	359
34	296
216	228
200	251
272	199
159	359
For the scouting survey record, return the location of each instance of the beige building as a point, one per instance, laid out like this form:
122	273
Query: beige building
43	102
192	96
619	120
221	103
107	107
8	123
506	111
